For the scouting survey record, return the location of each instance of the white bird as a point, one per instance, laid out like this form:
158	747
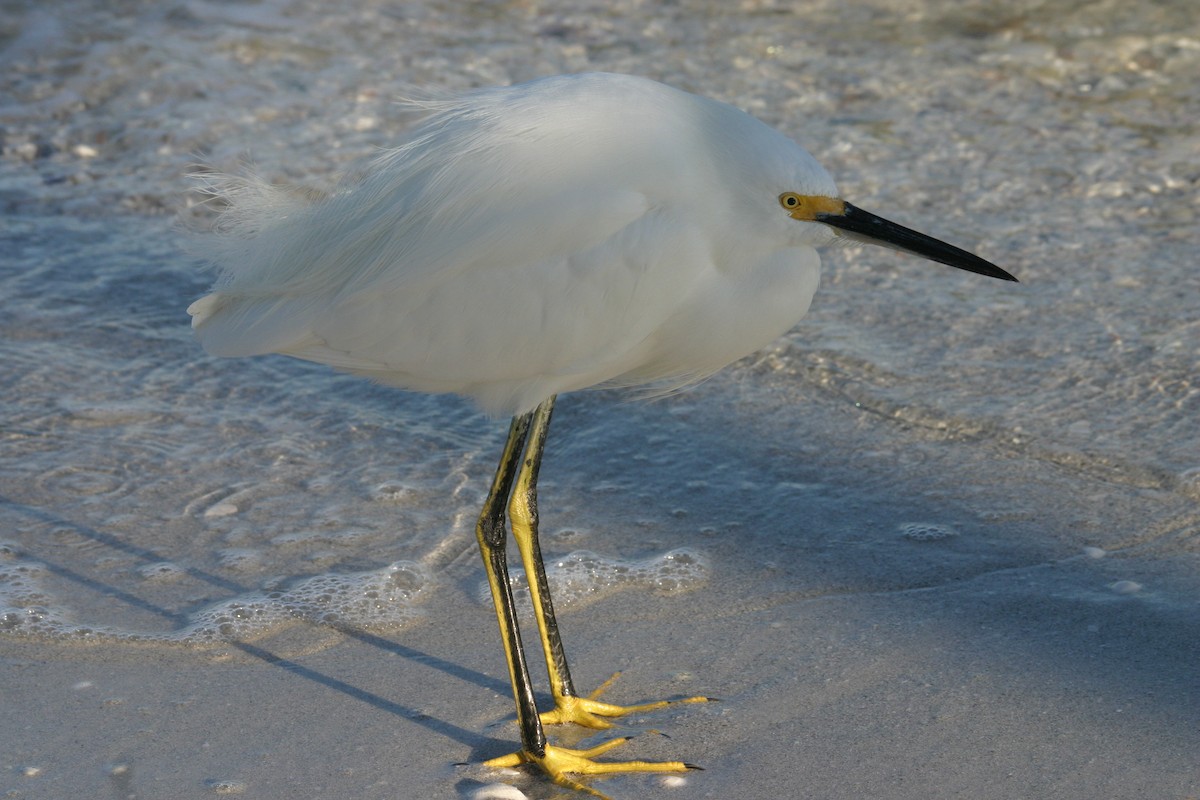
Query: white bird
529	240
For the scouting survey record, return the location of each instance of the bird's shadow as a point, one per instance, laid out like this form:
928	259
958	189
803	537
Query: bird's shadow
481	745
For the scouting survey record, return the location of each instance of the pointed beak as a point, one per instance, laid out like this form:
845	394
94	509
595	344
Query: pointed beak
863	226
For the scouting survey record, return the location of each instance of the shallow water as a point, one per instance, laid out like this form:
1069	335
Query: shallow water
917	429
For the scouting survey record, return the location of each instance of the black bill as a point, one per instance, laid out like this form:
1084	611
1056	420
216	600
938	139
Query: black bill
865	227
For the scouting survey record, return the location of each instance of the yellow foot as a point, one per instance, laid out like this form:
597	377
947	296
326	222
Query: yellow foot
591	713
559	761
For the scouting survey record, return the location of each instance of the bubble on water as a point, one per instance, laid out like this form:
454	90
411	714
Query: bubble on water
345	536
294	537
926	531
240	559
383	599
563	534
226	786
1125	587
497	791
222	509
1189	481
1080	429
393	493
1095	552
351	535
83	480
161	571
25	607
583	575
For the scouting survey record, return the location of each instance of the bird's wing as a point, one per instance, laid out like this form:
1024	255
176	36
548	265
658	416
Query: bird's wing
284	272
567	288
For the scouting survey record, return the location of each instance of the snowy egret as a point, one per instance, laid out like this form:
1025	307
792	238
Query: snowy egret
529	240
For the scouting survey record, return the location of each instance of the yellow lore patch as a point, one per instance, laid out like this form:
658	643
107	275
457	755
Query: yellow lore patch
806	207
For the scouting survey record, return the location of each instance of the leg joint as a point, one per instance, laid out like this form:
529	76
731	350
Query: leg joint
491	532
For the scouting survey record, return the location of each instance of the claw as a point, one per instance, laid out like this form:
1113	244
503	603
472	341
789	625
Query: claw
591	713
558	762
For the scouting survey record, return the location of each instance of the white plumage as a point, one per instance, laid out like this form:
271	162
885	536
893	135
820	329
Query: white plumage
526	241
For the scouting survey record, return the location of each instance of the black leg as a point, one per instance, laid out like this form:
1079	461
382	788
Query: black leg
523	514
491	535
520	463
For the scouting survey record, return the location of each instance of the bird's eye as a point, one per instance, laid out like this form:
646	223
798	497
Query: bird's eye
789	200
